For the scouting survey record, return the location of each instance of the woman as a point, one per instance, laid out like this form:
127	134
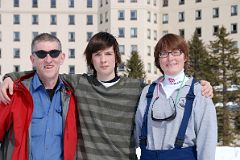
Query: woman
175	122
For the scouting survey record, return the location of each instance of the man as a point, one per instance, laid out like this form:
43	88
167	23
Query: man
106	103
40	122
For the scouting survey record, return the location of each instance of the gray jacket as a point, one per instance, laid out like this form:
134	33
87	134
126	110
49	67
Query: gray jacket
202	127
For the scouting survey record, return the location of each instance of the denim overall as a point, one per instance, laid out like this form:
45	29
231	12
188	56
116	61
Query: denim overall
178	153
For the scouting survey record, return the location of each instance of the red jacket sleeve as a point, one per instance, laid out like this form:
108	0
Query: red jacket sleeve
5	119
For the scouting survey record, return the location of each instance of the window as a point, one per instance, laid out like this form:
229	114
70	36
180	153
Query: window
165	3
164	32
181	2
54	34
120	1
165	19
198	14
0	70
71	3
0	53
121	32
16	19
0	19
101	3
181	17
34	3
121	67
106	1
234	28
16	68
148	33
16	53
235	44
53	4
89	3
121	15
133	32
149	67
16	3
71	53
134	48
0	36
101	19
215	29
155	35
106	16
133	1
71	20
53	19
71	69
133	14
234	10
215	12
199	31
89	19
89	36
35	19
71	36
149	16
197	1
182	32
148	1
155	2
122	49
149	50
155	18
34	34
16	36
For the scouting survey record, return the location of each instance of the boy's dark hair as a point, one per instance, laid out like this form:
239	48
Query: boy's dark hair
101	41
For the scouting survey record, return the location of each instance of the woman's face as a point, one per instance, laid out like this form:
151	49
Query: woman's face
172	61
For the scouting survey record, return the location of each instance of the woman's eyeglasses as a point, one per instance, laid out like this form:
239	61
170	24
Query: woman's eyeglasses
42	54
162	113
164	54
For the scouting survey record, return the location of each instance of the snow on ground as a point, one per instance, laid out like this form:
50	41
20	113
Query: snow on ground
222	153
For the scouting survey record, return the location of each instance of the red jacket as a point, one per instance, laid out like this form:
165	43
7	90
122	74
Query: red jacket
15	119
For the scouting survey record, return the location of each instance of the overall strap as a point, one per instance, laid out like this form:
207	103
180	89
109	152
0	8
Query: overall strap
187	113
149	95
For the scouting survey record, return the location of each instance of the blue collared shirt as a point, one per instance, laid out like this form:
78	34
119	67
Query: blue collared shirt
46	131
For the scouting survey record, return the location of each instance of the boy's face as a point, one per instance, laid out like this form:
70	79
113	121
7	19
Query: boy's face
104	62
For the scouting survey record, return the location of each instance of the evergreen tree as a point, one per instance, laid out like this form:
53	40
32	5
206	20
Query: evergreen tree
199	59
226	69
135	67
237	122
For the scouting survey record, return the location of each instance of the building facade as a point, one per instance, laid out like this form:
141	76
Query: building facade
137	25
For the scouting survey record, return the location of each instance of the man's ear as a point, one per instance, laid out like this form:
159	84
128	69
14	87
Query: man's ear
32	58
62	58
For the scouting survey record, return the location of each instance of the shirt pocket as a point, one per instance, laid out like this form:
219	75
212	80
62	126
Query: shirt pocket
38	124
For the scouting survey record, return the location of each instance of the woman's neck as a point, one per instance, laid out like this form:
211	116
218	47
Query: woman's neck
174	79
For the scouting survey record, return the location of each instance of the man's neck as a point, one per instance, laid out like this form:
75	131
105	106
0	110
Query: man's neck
49	83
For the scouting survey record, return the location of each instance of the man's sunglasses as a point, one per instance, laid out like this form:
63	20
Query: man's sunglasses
42	54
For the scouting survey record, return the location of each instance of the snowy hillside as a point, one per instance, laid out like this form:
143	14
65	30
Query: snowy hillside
222	153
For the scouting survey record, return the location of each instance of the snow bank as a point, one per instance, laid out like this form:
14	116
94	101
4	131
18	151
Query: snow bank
222	153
